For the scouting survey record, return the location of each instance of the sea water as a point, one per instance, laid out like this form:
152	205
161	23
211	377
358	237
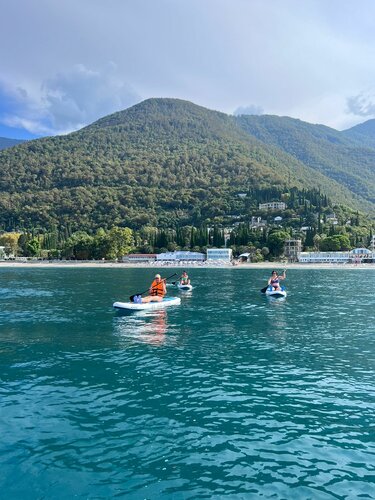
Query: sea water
229	395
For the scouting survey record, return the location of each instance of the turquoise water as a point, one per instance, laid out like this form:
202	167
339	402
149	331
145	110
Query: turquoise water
229	395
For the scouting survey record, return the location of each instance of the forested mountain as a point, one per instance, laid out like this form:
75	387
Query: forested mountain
363	133
8	143
169	162
340	156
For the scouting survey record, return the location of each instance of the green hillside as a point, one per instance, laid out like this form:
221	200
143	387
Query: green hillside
161	162
363	133
339	156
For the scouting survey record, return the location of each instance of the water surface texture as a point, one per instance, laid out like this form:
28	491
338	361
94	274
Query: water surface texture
231	394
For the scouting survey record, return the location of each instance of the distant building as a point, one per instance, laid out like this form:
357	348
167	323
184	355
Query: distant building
257	223
324	257
332	219
273	205
6	253
219	254
292	249
180	256
242	195
244	257
361	255
140	257
372	243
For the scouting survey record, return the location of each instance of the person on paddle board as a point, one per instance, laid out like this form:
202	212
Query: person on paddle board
157	290
184	278
274	280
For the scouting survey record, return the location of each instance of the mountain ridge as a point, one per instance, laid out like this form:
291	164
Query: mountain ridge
5	142
159	158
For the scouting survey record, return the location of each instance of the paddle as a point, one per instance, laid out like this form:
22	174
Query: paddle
164	279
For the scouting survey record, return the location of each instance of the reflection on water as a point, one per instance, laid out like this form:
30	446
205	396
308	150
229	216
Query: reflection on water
148	327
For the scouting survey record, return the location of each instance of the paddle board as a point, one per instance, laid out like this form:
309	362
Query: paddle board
275	293
132	306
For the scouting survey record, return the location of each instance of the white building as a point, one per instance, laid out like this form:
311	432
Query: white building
324	257
219	254
140	257
356	255
372	243
6	253
361	255
273	205
180	256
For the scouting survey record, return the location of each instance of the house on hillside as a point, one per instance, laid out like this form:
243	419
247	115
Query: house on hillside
273	205
332	219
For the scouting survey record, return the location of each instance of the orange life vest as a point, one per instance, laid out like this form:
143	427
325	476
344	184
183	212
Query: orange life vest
157	288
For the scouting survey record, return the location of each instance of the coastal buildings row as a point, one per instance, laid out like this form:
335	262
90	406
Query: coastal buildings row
219	255
355	256
224	255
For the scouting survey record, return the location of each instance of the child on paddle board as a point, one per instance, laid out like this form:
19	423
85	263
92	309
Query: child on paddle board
184	279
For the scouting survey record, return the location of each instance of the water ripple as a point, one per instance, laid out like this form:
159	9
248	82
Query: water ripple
229	395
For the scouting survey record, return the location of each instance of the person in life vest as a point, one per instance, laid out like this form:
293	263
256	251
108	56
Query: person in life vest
274	280
157	290
184	279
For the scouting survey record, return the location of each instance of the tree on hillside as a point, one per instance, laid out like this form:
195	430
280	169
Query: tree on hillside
276	242
10	241
79	246
121	242
336	243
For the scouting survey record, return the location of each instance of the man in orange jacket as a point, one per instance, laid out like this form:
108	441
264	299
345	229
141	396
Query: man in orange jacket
157	290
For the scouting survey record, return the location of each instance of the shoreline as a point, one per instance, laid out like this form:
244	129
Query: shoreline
125	265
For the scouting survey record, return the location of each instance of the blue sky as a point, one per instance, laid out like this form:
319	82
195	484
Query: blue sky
64	64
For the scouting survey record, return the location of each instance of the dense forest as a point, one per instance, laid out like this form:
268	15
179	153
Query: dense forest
169	167
343	157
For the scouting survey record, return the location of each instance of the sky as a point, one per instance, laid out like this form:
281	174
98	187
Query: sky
66	63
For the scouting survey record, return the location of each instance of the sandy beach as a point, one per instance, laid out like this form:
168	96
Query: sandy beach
124	265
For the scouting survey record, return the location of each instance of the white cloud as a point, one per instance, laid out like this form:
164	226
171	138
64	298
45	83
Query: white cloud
361	105
291	57
68	101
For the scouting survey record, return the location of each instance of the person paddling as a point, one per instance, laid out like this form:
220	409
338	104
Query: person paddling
157	290
184	279
274	280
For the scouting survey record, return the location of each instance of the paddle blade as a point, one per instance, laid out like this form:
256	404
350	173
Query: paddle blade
263	290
